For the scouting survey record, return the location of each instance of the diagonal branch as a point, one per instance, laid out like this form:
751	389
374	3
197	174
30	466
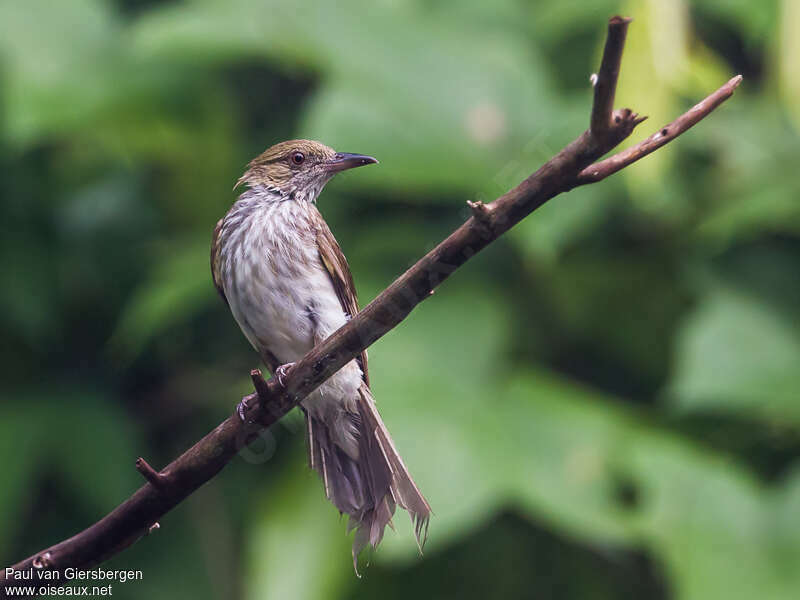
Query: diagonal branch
574	165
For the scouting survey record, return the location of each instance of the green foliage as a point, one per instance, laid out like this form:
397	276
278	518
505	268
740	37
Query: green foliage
617	378
735	354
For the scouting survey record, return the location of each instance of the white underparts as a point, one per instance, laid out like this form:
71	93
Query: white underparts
282	296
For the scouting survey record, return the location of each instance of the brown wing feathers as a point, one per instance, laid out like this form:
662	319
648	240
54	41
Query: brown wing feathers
335	263
215	274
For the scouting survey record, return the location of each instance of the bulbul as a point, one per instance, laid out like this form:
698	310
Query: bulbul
277	265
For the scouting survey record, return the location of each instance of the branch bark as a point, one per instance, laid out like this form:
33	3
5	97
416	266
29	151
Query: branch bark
571	167
605	86
666	134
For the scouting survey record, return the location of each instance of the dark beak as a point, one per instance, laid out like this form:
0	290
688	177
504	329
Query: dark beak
345	160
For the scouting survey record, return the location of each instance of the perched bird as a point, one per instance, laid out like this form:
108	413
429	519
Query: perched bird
277	265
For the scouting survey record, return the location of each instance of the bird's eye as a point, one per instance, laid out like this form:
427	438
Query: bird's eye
298	158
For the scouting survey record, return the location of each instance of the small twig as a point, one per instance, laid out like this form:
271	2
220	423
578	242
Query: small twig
605	82
479	210
483	217
260	385
276	401
624	121
150	474
602	169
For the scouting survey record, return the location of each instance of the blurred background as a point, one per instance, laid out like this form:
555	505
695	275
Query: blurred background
603	404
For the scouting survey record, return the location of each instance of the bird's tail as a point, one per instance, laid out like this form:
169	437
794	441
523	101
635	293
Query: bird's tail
369	486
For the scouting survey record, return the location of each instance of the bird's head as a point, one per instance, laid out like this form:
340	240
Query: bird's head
299	169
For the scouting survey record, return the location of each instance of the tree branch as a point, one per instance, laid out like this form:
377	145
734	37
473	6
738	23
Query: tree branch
609	166
571	167
605	85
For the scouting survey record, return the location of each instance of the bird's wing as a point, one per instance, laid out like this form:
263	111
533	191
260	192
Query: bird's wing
335	264
215	260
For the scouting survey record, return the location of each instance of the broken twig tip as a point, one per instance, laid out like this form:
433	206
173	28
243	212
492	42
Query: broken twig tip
260	384
149	473
619	20
479	210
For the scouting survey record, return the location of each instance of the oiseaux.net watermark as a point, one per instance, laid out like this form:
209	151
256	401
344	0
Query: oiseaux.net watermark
69	582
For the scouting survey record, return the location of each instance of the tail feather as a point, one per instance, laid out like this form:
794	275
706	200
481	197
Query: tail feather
369	486
402	488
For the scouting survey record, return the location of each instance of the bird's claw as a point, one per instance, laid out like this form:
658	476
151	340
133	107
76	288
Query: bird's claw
282	371
242	407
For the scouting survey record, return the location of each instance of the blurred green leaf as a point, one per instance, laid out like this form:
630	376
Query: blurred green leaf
58	61
753	190
29	308
754	20
736	354
453	111
564	453
601	473
110	449
178	289
559	224
25	446
788	68
295	531
43	433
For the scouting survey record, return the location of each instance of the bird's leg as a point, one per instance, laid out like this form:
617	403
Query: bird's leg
282	371
242	407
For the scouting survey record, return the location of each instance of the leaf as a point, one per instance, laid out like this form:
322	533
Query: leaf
28	307
559	445
59	58
483	96
43	432
179	287
293	530
559	224
735	354
752	191
18	439
789	49
110	448
600	473
753	20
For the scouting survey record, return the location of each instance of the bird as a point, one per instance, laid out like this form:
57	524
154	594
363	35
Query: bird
277	265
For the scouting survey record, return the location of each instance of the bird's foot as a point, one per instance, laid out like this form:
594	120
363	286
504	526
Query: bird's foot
282	371
243	406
